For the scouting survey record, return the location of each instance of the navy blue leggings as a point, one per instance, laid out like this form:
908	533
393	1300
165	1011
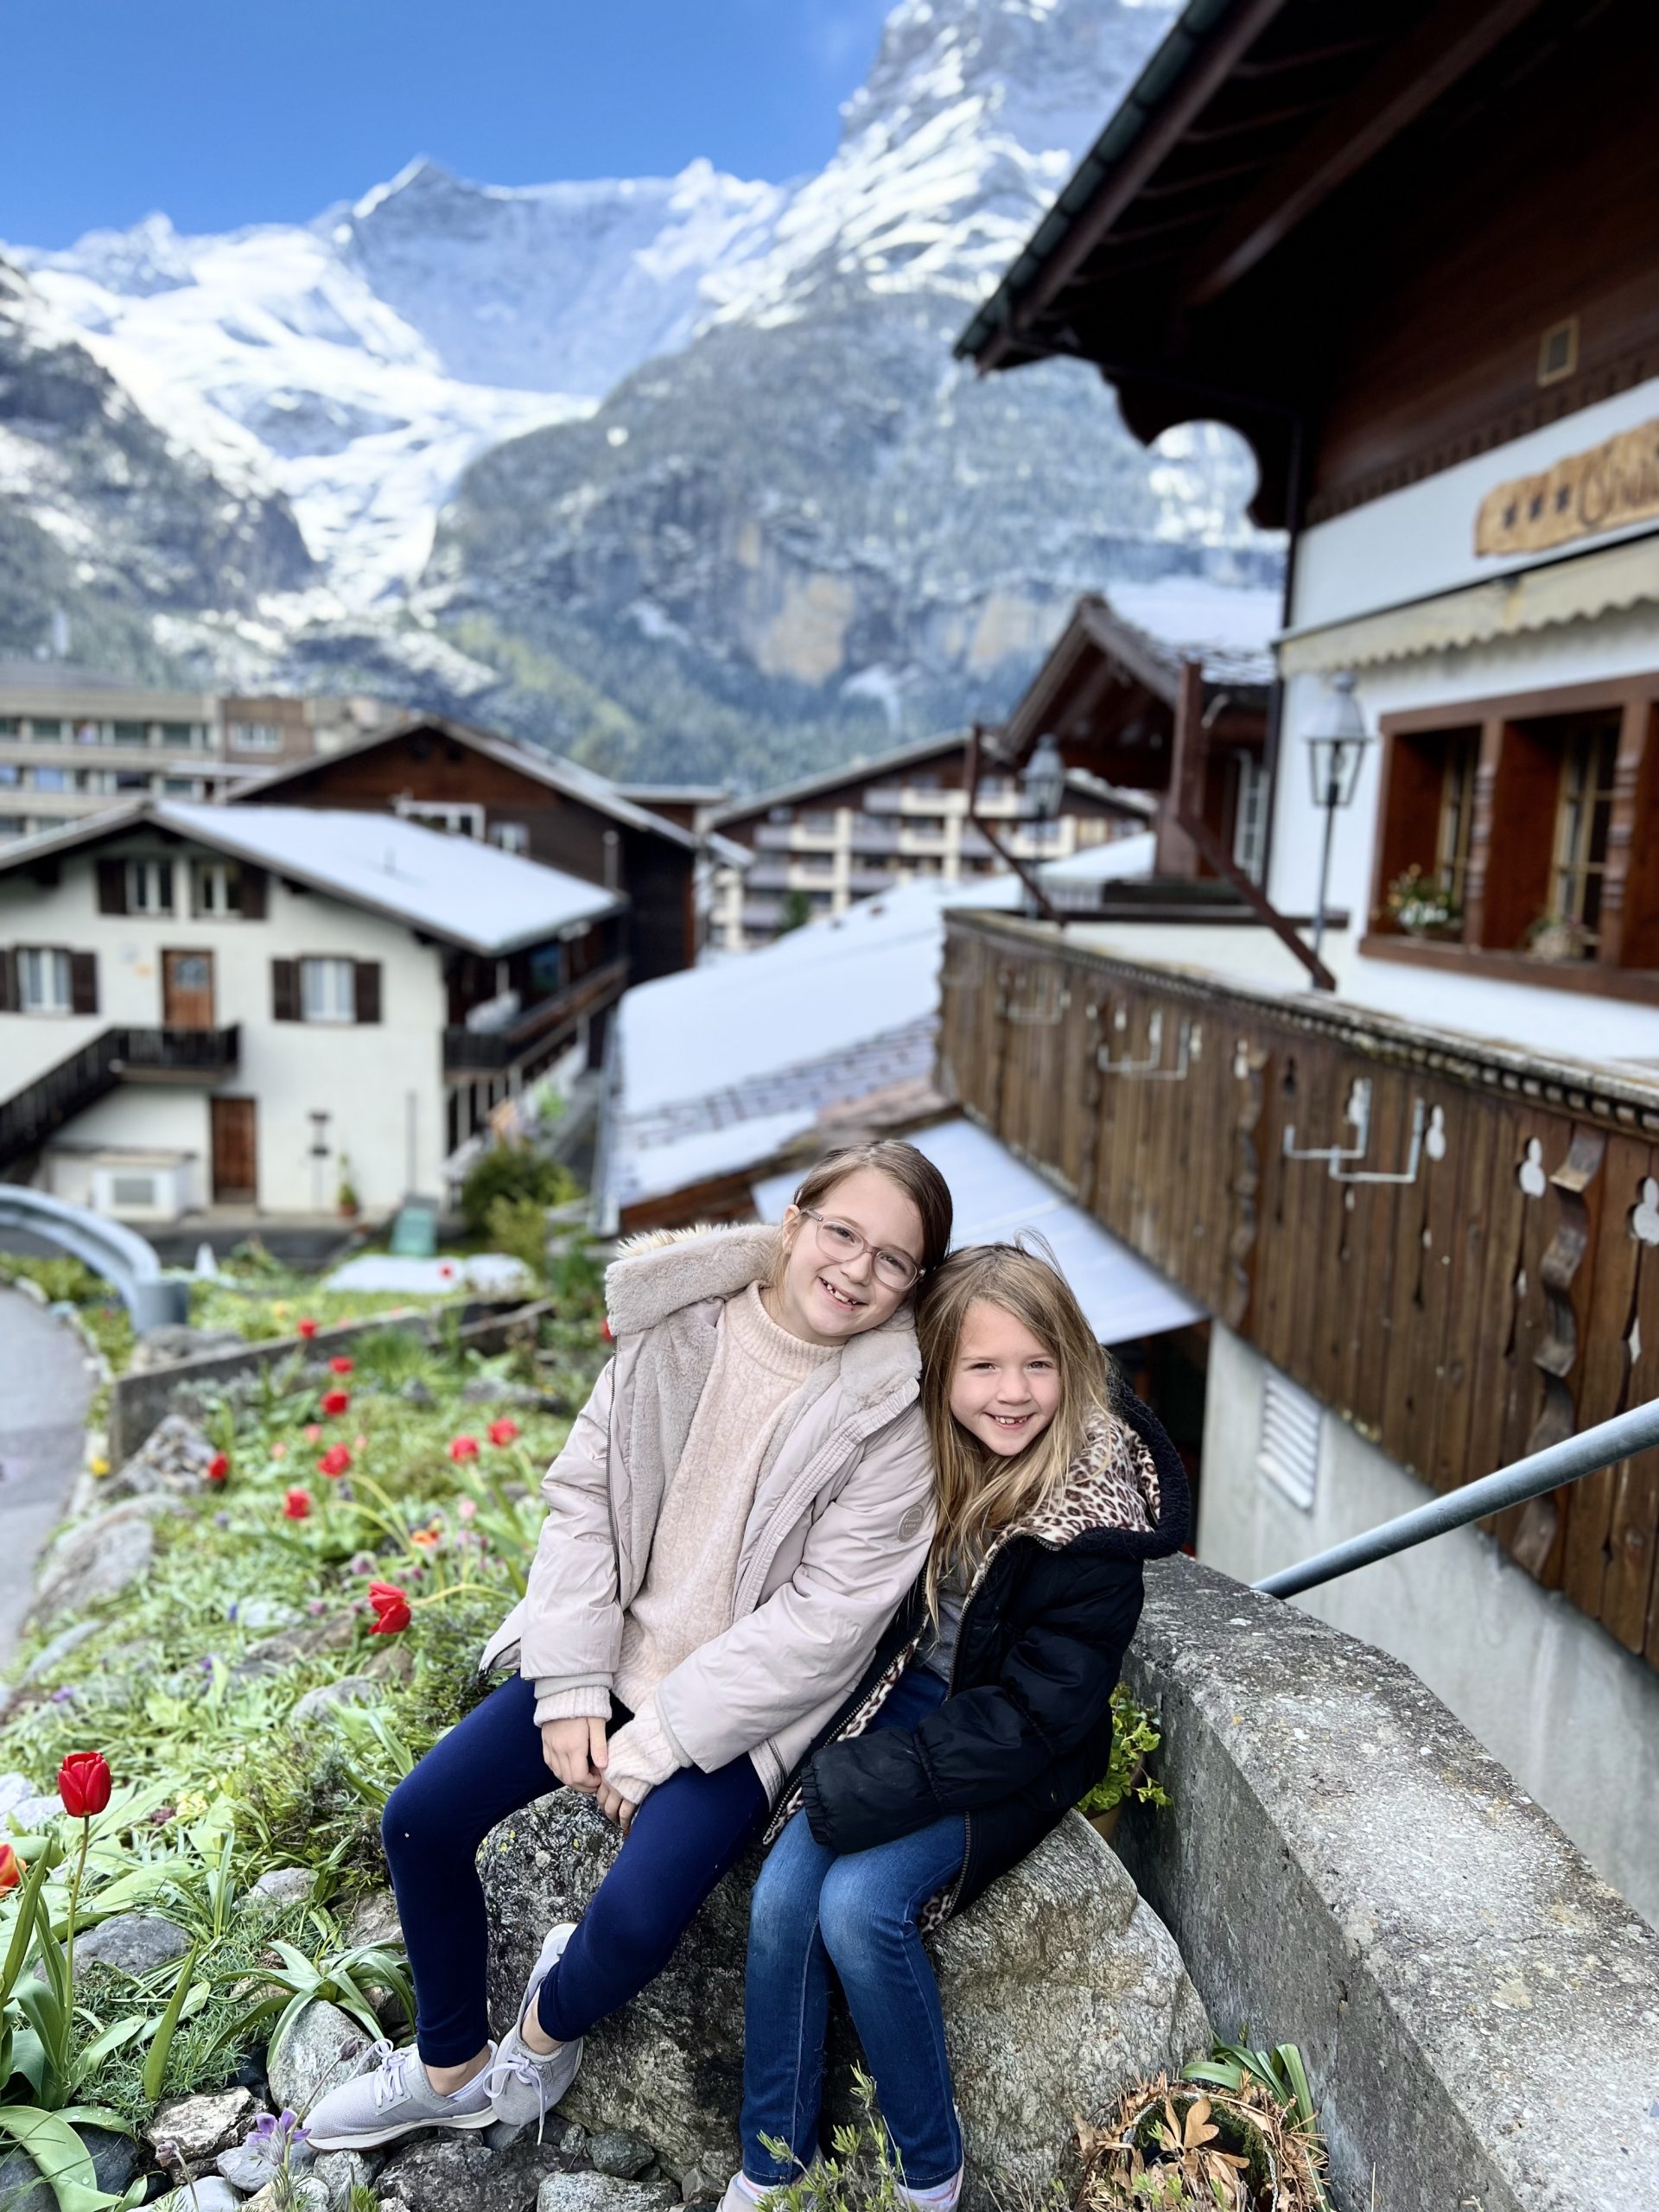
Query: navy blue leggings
689	1832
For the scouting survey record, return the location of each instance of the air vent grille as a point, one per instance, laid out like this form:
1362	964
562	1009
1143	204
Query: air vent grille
1288	1452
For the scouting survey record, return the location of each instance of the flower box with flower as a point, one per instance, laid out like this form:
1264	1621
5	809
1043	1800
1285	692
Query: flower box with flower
1423	906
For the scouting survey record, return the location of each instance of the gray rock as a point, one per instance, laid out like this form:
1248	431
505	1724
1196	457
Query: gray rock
348	1689
98	1558
32	1813
460	2173
600	2192
305	2193
134	1943
339	2172
115	2161
285	1886
374	1919
415	1393
52	1654
619	2152
485	1390
260	1615
320	2048
1060	1988
245	2167
177	1341
306	1639
207	2193
14	1790
174	1458
190	2131
704	2178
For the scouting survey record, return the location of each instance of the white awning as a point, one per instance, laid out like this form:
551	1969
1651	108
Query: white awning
996	1196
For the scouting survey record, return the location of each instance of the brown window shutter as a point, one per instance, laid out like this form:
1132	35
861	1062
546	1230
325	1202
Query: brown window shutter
254	880
368	990
8	983
284	990
111	886
83	982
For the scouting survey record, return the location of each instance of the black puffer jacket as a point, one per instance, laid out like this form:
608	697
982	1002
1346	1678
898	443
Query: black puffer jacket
1027	1726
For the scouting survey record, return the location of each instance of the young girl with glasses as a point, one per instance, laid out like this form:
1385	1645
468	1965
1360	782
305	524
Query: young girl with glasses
741	1503
985	1713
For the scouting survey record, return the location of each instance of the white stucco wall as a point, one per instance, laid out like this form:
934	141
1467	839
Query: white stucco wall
371	1079
1572	1714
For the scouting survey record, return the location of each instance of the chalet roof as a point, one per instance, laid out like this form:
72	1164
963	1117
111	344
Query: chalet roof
566	777
1189	254
463	892
867	770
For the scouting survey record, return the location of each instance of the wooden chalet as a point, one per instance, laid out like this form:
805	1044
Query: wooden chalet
1410	253
475	784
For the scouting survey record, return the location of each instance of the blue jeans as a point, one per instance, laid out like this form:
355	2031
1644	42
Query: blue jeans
813	1909
689	1831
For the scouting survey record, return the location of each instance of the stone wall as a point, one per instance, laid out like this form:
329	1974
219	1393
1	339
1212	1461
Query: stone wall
140	1402
1346	1868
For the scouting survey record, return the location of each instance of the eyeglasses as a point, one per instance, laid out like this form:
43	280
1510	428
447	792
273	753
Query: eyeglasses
839	1240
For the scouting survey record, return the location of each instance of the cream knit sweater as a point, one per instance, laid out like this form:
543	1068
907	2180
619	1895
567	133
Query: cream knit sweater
685	1600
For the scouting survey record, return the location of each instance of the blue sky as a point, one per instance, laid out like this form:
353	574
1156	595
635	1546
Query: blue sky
221	112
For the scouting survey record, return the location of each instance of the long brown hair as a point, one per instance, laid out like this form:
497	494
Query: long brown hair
912	1170
976	1490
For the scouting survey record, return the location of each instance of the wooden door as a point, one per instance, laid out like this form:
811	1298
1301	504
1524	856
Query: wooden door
187	991
235	1151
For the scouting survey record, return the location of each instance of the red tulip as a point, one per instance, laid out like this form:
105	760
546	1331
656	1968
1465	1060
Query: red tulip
463	1447
218	1467
296	1504
391	1613
11	1871
312	1431
84	1784
341	1365
445	1271
334	1402
503	1431
334	1461
307	1328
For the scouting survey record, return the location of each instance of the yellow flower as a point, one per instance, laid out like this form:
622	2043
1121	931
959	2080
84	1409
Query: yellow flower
99	1466
281	1310
191	1806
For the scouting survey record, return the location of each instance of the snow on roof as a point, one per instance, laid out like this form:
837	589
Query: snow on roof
995	1196
1229	627
468	892
684	1162
1110	863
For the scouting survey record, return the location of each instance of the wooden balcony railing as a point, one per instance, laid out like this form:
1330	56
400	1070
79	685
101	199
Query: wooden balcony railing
1453	1243
38	1111
540	1030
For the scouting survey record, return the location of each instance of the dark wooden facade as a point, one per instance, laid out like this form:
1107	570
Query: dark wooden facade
435	763
1377	241
1502	1295
1498	1299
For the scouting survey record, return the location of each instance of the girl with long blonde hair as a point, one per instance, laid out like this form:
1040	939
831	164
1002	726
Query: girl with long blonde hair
985	1713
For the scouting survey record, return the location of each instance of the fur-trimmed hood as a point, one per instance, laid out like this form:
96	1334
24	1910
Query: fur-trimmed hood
665	1271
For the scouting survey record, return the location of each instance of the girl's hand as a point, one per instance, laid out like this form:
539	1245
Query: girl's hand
616	1808
575	1751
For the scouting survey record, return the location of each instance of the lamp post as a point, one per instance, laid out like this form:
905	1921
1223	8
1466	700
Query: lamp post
1043	782
1335	754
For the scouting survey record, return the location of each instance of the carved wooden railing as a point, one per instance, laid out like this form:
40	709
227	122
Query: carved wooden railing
1455	1244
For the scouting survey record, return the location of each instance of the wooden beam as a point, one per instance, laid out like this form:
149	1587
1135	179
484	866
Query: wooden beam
1443	50
1162	134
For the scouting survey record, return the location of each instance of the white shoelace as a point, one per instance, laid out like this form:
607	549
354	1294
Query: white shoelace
391	2081
521	2065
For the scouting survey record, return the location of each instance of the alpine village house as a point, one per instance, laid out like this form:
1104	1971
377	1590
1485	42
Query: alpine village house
1410	253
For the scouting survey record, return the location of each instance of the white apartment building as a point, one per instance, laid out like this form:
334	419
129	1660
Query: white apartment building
275	1009
73	743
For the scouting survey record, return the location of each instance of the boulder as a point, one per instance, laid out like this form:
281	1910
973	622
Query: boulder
374	1919
460	2173
600	2192
301	2193
97	1558
320	2048
339	2172
207	2193
174	1457
283	1885
620	2152
347	1689
115	2161
52	1654
186	2131
134	1943
1060	1986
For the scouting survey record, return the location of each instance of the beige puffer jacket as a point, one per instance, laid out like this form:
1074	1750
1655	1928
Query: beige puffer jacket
841	1524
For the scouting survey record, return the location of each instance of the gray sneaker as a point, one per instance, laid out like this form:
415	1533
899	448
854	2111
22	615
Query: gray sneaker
524	2085
392	2100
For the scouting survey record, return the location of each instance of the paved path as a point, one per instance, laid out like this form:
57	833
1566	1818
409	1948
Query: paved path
45	1385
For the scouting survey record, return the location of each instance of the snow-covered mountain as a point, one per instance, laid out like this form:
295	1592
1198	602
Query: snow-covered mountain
677	473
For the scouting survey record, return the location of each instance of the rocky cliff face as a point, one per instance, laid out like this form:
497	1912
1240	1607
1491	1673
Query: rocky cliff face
677	474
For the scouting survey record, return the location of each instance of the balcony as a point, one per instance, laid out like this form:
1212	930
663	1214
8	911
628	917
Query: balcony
1446	1239
539	1035
37	1112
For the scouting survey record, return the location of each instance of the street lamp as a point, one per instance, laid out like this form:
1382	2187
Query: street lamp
1043	780
1335	754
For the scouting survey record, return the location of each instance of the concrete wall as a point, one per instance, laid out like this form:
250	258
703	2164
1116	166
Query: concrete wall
1345	1868
1571	1713
364	1077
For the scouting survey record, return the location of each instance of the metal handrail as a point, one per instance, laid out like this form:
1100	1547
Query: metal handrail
1569	1461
